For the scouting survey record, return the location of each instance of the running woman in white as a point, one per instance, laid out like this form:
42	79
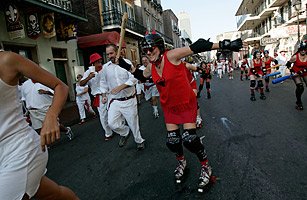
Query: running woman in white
24	154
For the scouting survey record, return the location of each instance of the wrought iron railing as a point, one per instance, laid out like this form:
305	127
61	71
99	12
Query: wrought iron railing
114	17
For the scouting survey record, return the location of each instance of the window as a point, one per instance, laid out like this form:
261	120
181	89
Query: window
105	5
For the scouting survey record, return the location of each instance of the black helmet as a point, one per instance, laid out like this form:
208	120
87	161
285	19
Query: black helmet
266	52
302	45
153	40
255	53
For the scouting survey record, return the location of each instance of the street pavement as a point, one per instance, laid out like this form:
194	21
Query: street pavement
258	150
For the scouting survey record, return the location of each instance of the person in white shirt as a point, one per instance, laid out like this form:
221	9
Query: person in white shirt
91	77
139	87
219	67
121	101
38	99
282	60
83	100
150	90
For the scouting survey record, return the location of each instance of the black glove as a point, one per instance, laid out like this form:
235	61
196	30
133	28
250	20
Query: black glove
234	45
255	73
264	71
201	45
122	63
288	64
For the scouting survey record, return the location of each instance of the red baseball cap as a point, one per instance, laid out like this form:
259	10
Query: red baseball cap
94	57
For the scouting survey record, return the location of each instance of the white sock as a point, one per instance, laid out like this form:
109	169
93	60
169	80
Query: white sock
155	108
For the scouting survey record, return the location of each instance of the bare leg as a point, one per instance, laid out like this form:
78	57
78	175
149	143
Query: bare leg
49	190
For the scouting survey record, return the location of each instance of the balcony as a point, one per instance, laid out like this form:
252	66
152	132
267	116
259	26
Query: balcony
112	19
250	37
72	8
249	23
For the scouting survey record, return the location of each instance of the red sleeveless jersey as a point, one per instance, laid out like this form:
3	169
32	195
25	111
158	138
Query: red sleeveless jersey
177	98
299	65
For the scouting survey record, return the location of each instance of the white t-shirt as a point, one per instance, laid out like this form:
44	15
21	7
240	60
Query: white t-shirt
79	90
94	82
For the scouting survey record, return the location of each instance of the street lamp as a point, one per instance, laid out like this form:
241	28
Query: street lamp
298	5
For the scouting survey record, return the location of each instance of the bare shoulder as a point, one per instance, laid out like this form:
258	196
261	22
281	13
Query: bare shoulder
147	71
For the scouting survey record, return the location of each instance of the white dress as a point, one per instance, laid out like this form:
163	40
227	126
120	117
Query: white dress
22	162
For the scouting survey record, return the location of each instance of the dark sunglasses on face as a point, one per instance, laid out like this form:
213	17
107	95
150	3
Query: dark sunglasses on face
150	49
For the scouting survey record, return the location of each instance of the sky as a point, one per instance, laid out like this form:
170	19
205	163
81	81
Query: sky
208	18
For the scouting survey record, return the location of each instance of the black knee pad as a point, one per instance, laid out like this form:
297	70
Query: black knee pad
253	84
260	83
174	142
246	71
299	88
192	142
242	72
208	85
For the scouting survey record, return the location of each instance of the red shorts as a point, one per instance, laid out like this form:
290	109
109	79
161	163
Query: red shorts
260	72
297	69
188	115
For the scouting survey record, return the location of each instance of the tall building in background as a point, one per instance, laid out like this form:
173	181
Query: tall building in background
184	23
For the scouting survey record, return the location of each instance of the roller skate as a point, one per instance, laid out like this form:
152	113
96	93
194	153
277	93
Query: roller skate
199	122
299	106
253	98
267	89
180	170
262	96
205	178
208	95
156	114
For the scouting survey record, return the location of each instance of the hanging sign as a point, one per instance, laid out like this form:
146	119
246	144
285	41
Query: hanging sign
13	25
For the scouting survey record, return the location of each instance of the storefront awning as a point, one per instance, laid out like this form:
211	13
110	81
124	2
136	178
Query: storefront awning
99	39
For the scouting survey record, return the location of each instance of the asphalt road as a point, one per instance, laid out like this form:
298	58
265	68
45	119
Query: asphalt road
257	149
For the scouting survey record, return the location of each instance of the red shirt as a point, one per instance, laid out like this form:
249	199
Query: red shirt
177	98
299	65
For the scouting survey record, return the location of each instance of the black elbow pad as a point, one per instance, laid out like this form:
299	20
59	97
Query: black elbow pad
138	74
288	64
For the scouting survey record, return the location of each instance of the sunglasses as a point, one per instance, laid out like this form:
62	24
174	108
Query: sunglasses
150	49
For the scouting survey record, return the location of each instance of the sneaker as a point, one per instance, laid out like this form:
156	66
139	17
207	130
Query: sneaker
107	138
81	122
205	174
208	95
123	140
69	133
199	122
140	146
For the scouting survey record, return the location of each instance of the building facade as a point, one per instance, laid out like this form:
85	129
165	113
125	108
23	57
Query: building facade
171	28
273	25
45	32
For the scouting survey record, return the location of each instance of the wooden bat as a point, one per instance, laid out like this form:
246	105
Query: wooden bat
122	33
274	66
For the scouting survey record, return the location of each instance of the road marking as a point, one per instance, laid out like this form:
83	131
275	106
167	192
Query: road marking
226	123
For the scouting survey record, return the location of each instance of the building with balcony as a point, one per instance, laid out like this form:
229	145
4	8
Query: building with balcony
272	24
45	32
171	28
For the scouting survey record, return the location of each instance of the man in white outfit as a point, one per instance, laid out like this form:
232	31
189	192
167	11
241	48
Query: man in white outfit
282	60
38	99
121	100
92	77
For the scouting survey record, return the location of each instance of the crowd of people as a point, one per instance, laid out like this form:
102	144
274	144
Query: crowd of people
117	86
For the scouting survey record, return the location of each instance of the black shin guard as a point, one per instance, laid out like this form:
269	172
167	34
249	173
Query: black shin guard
192	142
174	142
298	92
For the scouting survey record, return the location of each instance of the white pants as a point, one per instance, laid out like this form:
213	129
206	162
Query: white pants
103	116
119	111
219	72
282	70
139	88
83	104
151	92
